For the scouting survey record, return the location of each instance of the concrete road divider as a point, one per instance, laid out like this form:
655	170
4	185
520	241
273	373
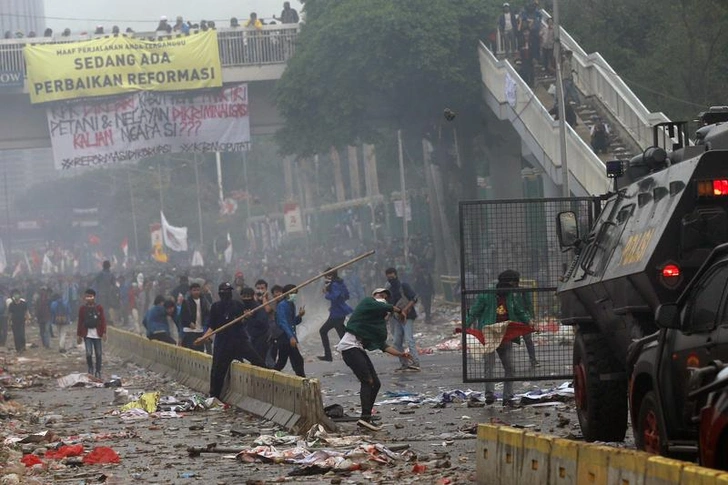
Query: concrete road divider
293	402
508	456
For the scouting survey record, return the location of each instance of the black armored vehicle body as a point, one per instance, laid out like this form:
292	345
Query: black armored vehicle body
668	211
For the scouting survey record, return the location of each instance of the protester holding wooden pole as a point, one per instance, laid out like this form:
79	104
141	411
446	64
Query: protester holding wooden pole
210	332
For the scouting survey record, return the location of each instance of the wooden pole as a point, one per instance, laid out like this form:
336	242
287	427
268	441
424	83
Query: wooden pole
283	295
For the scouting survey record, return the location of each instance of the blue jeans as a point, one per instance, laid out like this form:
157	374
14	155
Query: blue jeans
45	333
403	333
93	347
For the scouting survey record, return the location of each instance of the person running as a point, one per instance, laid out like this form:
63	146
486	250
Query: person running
336	292
367	330
91	329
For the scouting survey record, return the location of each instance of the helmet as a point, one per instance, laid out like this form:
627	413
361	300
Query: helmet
225	288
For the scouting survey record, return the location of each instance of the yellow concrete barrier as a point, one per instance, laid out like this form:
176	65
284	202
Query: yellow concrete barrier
563	461
536	457
592	464
487	455
508	456
663	471
627	467
696	475
290	401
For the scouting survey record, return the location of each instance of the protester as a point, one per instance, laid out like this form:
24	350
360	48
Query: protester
61	318
19	316
336	293
288	15
599	134
230	344
106	290
287	320
91	329
499	307
403	296
194	316
367	330
155	321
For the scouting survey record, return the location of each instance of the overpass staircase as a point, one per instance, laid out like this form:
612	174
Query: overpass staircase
603	94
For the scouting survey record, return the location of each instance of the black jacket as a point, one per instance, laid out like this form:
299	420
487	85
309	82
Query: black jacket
188	312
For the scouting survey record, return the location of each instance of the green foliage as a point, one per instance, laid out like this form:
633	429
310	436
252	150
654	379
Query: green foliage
362	69
674	55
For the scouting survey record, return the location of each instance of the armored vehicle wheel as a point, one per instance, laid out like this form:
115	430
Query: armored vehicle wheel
649	435
601	404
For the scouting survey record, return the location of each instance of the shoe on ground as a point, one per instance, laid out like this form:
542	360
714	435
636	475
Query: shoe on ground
401	368
489	398
414	367
324	358
535	363
509	402
367	425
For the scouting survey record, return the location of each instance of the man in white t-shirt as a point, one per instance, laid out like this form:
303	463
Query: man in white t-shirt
194	315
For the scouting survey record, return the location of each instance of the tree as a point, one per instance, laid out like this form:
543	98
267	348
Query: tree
363	69
673	55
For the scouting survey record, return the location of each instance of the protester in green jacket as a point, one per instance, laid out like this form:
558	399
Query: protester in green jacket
367	330
500	306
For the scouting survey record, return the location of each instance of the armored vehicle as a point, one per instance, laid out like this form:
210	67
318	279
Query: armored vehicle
668	211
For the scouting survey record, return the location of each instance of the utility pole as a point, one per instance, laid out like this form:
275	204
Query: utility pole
402	188
161	192
133	215
7	213
561	102
219	176
199	205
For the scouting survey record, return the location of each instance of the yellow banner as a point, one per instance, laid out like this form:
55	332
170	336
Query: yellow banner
116	65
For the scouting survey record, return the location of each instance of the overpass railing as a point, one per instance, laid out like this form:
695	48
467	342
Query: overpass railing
538	128
239	47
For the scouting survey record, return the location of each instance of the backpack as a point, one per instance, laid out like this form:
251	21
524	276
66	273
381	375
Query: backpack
90	317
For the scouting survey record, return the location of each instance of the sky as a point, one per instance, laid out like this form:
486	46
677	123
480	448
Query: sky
143	15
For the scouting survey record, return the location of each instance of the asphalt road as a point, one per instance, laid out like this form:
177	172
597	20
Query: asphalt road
437	441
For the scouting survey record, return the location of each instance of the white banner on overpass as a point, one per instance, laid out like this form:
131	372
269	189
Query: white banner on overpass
129	128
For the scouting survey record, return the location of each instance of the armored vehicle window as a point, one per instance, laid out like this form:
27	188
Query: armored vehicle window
705	301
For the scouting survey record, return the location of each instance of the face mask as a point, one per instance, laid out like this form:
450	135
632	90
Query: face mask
381	300
259	292
292	298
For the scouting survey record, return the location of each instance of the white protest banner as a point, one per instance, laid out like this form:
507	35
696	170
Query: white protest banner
128	128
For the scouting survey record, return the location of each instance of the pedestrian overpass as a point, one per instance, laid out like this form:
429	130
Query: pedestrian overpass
257	57
260	60
515	103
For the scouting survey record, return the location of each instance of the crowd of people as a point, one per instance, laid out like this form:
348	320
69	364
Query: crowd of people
288	15
184	307
524	36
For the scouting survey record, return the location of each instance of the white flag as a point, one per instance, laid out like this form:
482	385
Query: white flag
228	250
47	265
175	238
197	258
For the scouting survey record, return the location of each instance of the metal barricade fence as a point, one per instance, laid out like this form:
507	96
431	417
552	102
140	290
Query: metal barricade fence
518	235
